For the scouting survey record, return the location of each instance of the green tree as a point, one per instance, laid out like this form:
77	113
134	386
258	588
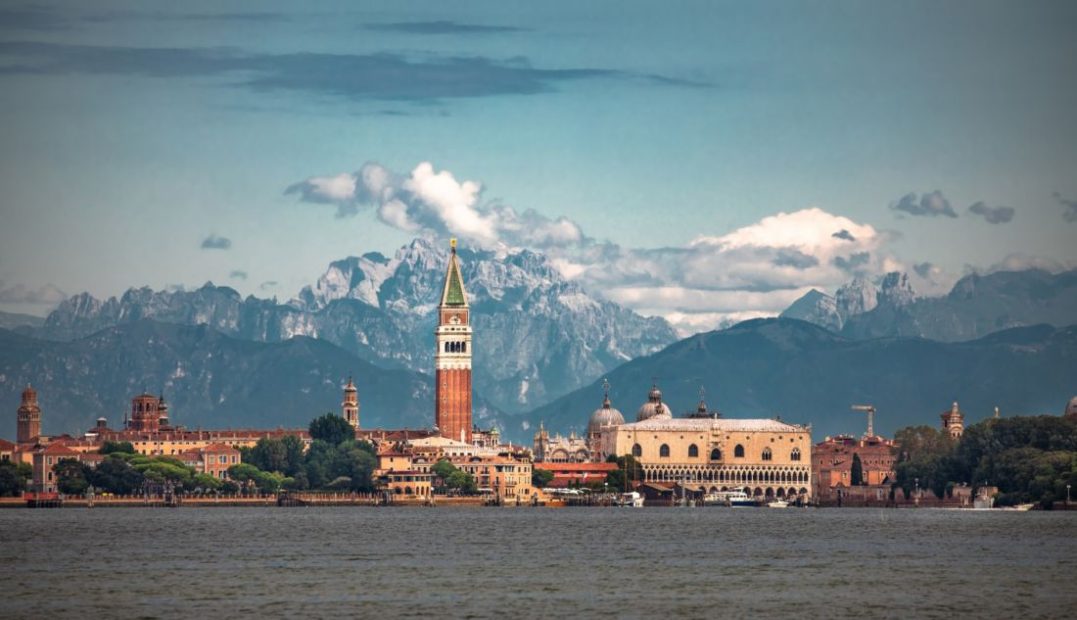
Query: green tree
205	483
332	429
71	476
269	455
628	471
110	447
116	475
11	482
293	450
857	474
541	477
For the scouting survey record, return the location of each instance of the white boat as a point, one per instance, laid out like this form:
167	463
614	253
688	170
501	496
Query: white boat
778	503
631	499
728	498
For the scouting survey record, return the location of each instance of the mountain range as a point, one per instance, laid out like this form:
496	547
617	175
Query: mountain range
538	335
976	306
209	379
807	374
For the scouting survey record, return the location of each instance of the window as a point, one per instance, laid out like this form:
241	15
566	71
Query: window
693	451
637	450
795	454
738	451
716	454
767	454
664	451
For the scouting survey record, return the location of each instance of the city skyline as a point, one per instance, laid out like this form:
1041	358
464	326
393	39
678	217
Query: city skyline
708	162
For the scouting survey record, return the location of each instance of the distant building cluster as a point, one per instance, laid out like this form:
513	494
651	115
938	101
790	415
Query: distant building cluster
698	454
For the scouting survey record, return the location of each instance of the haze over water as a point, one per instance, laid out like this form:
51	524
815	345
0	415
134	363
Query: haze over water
319	562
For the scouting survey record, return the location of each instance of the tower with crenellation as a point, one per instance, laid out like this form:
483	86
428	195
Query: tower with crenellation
452	357
28	417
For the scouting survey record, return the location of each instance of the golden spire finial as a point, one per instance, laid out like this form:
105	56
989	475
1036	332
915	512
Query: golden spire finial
452	243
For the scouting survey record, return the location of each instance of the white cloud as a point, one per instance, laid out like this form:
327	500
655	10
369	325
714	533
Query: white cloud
20	294
436	202
755	270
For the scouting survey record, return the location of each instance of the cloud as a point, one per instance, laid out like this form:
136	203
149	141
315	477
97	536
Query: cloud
852	263
759	268
1069	212
355	77
923	269
45	295
794	258
932	204
238	274
216	242
268	284
440	27
992	215
1022	262
432	201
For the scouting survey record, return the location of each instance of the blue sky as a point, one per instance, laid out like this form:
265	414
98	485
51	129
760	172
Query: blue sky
145	145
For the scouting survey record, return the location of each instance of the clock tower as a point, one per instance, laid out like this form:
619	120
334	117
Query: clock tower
452	358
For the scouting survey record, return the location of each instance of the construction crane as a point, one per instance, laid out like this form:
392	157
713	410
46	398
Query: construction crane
870	410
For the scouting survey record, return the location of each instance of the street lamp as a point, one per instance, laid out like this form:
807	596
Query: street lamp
1068	496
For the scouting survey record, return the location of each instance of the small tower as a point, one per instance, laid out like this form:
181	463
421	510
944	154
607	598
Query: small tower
541	443
28	417
350	406
145	413
452	357
953	422
162	412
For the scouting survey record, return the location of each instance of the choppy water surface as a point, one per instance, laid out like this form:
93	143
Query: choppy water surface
318	562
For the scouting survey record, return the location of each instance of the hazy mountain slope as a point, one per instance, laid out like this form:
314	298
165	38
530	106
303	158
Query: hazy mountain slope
976	306
537	335
12	320
209	379
806	374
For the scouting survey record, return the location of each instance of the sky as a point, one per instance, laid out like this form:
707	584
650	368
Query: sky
702	161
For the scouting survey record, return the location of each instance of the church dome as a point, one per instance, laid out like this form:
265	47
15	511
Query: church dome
654	407
1071	409
604	416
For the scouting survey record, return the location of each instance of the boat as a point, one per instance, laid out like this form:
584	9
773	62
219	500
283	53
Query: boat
728	498
631	499
778	503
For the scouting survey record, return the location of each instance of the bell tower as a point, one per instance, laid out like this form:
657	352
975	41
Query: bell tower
350	406
28	417
452	358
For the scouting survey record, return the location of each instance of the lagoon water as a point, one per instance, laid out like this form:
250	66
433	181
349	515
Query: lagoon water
524	562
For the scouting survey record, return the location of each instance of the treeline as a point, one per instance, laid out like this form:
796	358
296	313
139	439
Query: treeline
124	472
335	460
1029	459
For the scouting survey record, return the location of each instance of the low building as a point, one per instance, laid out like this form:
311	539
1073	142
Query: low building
762	457
408	483
576	474
832	469
507	475
214	459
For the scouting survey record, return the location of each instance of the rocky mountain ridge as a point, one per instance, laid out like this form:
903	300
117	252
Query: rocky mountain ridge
538	335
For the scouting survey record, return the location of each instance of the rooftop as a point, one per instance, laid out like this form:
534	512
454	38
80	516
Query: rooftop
751	425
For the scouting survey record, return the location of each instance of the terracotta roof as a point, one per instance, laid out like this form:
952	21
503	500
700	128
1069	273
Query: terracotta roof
219	447
6	445
57	449
557	468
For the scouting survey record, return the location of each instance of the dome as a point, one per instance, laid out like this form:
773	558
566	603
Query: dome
654	407
1071	409
604	416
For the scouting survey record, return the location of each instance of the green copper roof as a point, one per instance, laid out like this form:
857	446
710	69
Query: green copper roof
454	285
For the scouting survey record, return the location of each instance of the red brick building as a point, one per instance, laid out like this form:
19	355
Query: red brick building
28	420
832	467
452	359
